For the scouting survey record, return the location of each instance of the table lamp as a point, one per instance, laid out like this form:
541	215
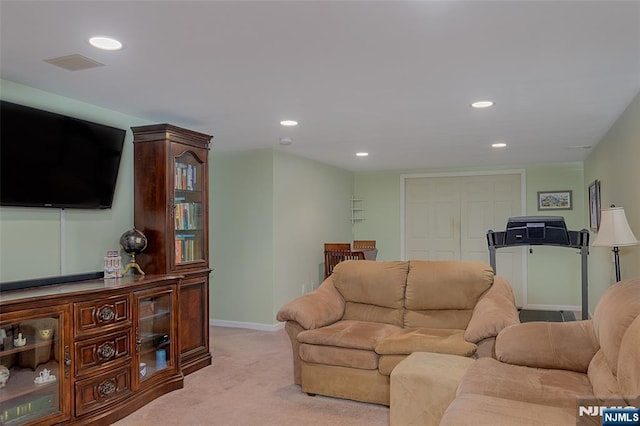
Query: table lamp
615	232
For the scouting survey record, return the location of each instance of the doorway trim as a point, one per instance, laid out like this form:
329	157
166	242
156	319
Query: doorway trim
523	207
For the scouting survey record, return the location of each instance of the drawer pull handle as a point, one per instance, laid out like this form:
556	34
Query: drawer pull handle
106	351
107	387
106	313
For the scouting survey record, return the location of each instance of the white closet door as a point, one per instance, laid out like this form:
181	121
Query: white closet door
432	218
487	203
448	218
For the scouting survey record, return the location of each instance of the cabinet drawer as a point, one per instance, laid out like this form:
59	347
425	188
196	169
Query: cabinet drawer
102	351
108	388
102	314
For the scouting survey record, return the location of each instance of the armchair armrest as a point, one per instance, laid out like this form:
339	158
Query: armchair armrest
559	345
318	308
495	310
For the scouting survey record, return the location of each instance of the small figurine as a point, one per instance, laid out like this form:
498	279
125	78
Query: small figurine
45	376
19	341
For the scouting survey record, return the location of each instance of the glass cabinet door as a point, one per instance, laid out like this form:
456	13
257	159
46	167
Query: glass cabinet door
32	368
154	345
188	209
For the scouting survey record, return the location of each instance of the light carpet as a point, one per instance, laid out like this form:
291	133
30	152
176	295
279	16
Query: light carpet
250	382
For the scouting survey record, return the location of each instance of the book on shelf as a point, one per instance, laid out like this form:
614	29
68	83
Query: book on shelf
185	176
187	215
185	247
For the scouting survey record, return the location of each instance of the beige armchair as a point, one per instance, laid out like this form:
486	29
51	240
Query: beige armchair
543	373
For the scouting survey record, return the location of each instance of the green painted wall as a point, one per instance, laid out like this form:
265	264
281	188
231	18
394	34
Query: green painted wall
554	277
311	207
31	238
614	161
554	274
270	214
241	236
381	194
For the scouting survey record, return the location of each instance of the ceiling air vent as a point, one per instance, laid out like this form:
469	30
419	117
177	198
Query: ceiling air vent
74	62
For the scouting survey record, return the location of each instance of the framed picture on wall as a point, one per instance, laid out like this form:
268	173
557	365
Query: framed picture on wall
594	205
555	200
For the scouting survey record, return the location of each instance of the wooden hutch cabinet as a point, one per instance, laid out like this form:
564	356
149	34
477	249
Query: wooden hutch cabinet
171	209
88	352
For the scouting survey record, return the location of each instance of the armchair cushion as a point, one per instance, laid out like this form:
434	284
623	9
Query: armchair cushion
318	308
494	311
408	340
613	315
628	365
549	387
560	345
475	409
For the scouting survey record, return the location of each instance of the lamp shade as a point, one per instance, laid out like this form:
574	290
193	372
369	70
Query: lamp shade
614	229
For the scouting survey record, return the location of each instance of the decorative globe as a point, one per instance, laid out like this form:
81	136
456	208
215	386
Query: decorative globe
133	241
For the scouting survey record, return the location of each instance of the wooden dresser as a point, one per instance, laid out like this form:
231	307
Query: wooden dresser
89	351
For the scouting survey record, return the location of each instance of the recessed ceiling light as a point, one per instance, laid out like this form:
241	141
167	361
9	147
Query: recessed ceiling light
286	140
498	145
289	123
362	154
482	104
105	43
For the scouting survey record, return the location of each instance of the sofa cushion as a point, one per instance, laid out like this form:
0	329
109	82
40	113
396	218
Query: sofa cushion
344	357
446	284
349	334
373	283
441	318
372	313
494	311
411	340
556	388
474	410
614	313
344	382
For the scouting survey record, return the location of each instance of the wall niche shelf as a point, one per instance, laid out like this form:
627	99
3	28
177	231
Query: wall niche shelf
357	210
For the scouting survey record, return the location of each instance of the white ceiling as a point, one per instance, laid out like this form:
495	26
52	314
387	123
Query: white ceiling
392	78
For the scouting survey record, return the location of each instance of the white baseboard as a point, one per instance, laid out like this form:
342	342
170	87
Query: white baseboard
573	308
248	325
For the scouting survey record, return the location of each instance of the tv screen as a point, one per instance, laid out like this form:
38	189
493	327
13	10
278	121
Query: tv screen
51	160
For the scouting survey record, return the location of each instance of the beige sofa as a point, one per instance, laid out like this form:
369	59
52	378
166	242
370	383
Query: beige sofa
543	372
349	334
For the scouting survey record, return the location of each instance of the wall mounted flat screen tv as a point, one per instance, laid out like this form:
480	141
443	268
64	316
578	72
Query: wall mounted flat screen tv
52	160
